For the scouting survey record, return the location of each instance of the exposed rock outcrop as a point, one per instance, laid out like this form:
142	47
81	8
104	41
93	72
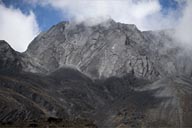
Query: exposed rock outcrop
108	49
99	51
10	60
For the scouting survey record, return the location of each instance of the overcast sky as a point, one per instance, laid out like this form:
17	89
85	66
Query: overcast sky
22	20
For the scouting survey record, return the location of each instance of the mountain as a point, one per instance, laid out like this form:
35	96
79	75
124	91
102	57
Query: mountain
108	49
111	74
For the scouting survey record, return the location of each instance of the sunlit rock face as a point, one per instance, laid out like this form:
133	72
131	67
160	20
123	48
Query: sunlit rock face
111	73
104	50
107	49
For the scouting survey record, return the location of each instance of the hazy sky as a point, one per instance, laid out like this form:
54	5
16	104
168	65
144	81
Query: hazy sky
22	20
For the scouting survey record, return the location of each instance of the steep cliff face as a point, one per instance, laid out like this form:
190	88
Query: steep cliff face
108	49
167	55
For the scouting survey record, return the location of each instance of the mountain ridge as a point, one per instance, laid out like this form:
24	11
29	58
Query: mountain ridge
111	73
106	50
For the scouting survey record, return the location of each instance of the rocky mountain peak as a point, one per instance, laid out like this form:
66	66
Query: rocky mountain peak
102	50
111	73
106	49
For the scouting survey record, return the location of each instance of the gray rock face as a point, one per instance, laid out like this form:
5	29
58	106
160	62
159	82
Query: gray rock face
9	59
167	55
100	51
176	92
108	49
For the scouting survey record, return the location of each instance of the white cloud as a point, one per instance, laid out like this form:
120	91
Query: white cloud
124	11
184	29
145	14
17	28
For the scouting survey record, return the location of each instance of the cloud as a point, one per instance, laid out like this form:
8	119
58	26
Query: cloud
145	14
17	28
124	11
184	28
